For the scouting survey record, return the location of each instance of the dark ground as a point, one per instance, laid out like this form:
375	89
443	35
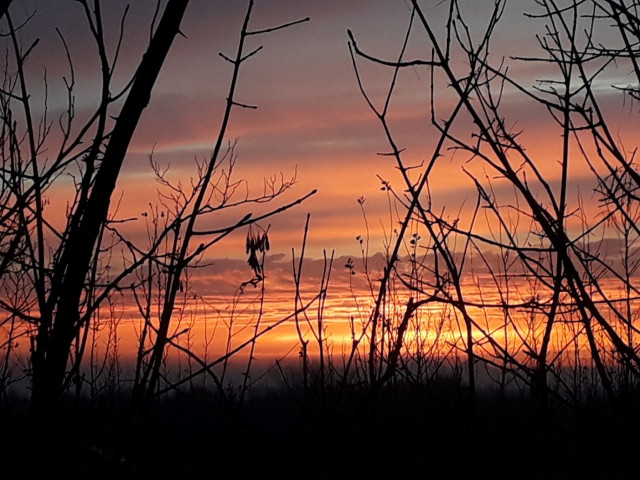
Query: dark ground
404	432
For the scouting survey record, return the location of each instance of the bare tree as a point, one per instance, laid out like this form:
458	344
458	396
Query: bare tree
213	191
554	278
63	307
55	280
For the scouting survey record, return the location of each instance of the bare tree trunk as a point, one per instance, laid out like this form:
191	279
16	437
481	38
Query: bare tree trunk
4	6
61	320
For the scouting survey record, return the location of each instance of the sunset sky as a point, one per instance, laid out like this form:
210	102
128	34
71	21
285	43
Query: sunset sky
408	208
311	120
313	124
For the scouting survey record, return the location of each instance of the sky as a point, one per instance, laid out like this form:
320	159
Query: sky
312	122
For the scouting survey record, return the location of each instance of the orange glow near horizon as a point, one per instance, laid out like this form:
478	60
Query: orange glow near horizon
211	328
